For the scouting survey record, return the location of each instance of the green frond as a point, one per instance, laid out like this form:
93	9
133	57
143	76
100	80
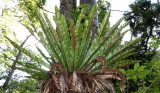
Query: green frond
30	66
46	58
103	25
120	58
49	39
55	38
48	48
125	63
86	36
116	24
122	48
31	55
34	74
112	35
52	30
79	30
64	36
29	29
122	55
114	41
74	42
105	49
79	25
42	39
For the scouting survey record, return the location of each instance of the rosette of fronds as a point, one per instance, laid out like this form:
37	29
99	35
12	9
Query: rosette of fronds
76	64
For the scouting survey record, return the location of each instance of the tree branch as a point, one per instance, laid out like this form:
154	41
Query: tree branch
152	83
14	64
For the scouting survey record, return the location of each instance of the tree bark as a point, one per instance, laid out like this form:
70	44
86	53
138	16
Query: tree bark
14	64
66	6
95	21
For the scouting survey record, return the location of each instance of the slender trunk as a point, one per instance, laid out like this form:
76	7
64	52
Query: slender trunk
14	64
95	21
66	6
131	36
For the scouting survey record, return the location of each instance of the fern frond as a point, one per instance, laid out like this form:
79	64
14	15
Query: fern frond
46	58
73	36
105	41
125	63
120	58
34	74
63	35
86	36
111	44
122	48
52	30
31	55
79	31
30	66
103	25
29	29
42	40
74	42
121	55
48	37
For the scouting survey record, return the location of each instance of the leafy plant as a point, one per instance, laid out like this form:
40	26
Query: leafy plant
139	72
145	77
23	86
72	60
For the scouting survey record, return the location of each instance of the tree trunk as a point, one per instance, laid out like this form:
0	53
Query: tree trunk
66	6
95	21
14	64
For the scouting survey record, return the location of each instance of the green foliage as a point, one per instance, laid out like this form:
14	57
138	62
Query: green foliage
139	72
104	7
75	12
28	8
145	77
25	86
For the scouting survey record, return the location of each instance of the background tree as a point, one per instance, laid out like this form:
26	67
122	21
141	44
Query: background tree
95	21
144	22
66	6
104	7
144	19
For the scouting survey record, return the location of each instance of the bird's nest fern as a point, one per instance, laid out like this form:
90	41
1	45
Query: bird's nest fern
72	58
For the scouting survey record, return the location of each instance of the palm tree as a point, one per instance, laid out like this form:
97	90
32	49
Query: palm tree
75	64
